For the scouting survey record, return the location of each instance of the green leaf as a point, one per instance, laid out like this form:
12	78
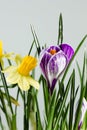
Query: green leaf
1	124
36	41
78	111
51	111
6	88
72	101
38	118
76	51
83	73
64	119
13	123
14	101
60	32
31	48
63	103
84	125
79	70
46	96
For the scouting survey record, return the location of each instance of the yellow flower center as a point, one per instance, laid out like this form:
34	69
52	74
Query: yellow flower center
28	64
52	52
1	50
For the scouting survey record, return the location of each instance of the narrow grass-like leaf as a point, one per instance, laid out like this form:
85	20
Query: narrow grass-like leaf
76	93
31	47
13	123
1	124
72	101
18	92
76	51
62	104
60	32
6	89
86	91
78	111
9	62
46	96
83	72
79	70
51	111
38	118
84	125
59	99
64	118
36	41
4	108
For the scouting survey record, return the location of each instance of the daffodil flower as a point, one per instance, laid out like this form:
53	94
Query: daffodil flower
4	55
83	111
20	74
53	61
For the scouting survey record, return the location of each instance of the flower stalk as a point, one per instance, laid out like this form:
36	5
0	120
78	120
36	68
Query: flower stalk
6	89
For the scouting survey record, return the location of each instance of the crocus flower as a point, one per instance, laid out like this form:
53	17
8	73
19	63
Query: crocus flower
53	61
20	74
83	111
4	55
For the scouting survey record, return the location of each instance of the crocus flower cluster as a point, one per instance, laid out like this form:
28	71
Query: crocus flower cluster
83	111
53	61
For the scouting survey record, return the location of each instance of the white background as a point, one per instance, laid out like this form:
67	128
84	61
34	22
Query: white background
17	15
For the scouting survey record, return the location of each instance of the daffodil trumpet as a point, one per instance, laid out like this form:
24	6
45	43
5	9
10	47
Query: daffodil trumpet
20	74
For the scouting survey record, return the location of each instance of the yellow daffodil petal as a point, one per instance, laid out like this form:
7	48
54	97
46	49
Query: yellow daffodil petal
23	83
9	69
33	82
18	59
13	78
9	56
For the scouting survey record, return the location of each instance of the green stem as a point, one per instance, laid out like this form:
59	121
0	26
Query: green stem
6	89
4	108
17	100
26	123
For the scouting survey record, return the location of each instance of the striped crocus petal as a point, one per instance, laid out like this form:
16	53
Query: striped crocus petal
55	67
83	111
68	50
44	59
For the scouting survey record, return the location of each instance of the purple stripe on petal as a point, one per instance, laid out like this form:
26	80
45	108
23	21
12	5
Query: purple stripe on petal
53	85
53	48
80	124
55	66
68	50
43	63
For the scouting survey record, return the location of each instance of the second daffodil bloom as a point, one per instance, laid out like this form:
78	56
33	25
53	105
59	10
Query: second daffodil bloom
21	74
53	61
4	55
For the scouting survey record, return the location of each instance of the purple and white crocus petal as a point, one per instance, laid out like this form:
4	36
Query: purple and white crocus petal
83	111
53	61
43	63
68	50
55	67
